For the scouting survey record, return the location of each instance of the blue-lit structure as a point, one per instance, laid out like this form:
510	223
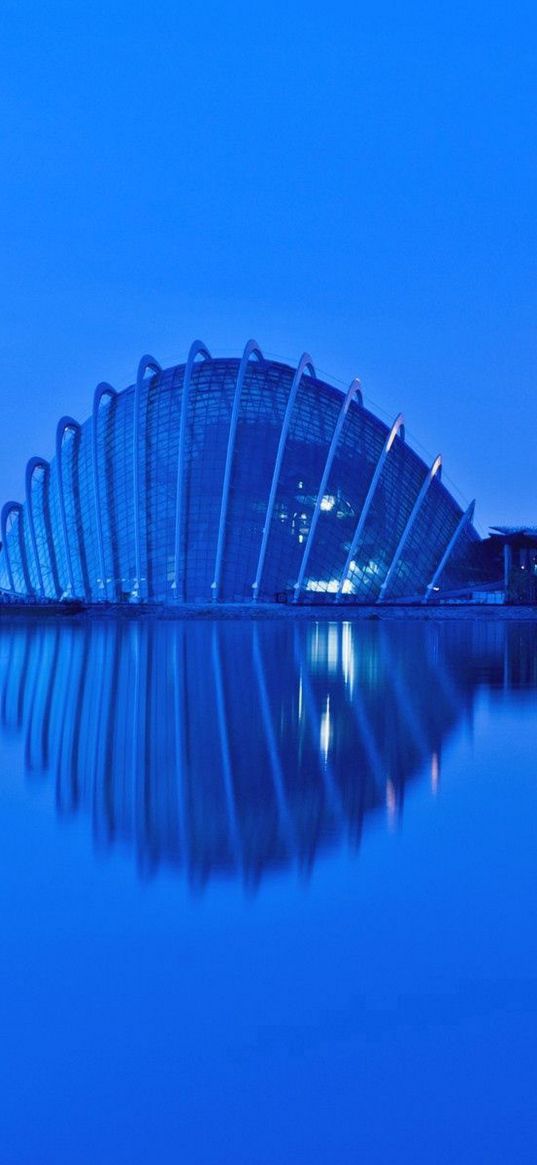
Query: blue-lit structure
232	480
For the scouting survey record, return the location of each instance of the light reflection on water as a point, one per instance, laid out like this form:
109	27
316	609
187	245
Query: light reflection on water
232	748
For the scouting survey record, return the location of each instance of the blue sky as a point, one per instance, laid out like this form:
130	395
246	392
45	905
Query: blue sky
355	180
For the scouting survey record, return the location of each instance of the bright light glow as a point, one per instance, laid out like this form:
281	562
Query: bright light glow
347	656
329	586
328	502
332	650
315	646
326	586
324	648
391	803
326	730
435	772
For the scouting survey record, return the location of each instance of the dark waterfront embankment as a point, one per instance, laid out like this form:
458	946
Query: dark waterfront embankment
273	611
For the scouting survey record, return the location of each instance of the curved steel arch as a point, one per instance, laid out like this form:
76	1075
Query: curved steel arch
304	362
7	509
65	424
398	427
33	464
436	468
354	392
197	349
463	521
252	349
145	363
103	389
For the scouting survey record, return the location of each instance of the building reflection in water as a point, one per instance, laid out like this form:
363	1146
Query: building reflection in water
236	747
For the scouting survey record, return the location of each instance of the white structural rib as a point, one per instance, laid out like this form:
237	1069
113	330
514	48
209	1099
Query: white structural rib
435	468
398	426
65	424
33	464
252	349
465	518
103	389
8	509
145	363
197	349
305	362
353	392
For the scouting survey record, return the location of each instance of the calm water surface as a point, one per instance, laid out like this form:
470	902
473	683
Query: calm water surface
268	893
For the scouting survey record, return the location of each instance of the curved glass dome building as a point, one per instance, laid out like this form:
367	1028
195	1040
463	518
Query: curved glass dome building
232	480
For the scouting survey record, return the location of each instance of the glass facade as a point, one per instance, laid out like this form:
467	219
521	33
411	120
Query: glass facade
135	509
